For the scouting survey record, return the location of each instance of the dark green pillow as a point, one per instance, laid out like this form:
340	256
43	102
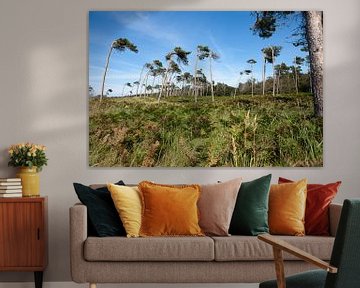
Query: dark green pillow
103	218
250	216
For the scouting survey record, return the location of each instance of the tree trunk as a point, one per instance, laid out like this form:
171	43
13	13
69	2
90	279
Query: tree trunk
263	75
195	75
296	80
153	85
211	82
168	85
146	80
273	67
252	85
122	94
137	89
315	42
104	76
164	82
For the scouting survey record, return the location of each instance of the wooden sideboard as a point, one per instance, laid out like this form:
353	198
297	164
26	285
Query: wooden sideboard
23	235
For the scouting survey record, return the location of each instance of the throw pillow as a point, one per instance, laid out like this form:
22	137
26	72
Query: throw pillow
216	206
102	214
287	204
250	215
319	197
169	210
127	201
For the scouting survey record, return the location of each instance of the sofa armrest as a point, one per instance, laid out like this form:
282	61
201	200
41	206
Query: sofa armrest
78	235
334	217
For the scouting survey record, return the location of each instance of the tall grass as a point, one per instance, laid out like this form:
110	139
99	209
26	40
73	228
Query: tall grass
248	131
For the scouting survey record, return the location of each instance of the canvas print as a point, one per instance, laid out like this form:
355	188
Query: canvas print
205	89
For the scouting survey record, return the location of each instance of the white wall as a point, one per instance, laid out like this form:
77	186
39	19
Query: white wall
43	90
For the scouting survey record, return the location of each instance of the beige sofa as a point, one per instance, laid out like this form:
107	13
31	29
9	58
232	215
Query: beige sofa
234	259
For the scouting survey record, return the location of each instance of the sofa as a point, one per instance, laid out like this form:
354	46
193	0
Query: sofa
233	259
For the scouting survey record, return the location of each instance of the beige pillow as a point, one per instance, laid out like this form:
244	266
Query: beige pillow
216	206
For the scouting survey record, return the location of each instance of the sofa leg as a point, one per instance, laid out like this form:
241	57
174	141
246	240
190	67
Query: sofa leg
92	285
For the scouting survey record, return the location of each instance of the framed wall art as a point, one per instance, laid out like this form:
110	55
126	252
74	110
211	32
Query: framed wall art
205	89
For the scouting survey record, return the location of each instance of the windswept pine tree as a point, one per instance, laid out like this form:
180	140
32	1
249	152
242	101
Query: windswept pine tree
212	56
181	57
252	62
140	81
275	52
241	73
269	55
128	84
136	83
298	61
311	35
172	70
266	59
149	68
120	45
188	78
202	52
158	70
280	71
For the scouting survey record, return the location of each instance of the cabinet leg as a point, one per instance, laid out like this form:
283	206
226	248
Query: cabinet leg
38	279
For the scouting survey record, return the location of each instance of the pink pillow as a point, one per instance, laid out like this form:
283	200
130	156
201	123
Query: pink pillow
216	205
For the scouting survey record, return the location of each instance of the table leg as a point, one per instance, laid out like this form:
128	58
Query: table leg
38	279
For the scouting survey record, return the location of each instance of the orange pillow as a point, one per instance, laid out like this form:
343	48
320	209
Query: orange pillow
287	204
169	210
318	200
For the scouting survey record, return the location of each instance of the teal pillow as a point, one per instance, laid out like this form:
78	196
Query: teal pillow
250	216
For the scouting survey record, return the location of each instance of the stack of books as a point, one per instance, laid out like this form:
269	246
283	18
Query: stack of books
10	187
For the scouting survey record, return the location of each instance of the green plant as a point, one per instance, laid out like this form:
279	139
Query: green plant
249	131
27	155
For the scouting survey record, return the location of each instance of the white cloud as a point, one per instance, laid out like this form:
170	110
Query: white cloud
142	23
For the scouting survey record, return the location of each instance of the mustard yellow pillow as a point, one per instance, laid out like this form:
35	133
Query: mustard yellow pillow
169	210
127	201
287	204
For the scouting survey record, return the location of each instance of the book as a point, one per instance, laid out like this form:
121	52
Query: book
11	187
10	180
4	195
5	191
10	183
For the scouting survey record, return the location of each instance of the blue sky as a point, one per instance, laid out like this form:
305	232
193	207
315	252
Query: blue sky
155	33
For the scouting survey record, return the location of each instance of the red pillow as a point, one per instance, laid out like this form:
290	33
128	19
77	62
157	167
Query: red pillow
319	197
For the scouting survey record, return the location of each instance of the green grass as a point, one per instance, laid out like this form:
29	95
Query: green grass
258	131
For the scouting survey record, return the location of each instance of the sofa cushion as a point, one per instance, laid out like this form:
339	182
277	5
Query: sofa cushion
149	249
216	206
102	215
169	210
318	199
127	201
287	204
245	248
250	215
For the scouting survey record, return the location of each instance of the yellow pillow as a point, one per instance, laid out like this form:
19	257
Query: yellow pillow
169	210
287	204
127	201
